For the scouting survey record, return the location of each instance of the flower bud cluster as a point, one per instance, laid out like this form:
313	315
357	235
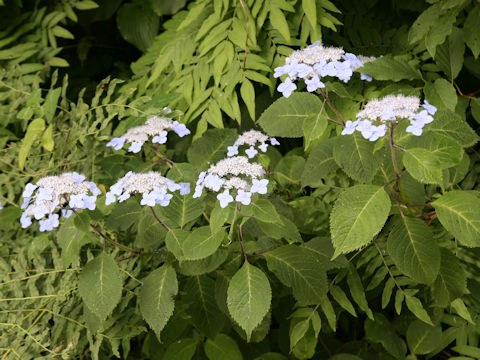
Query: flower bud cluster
316	62
234	173
251	138
153	187
53	193
156	126
391	108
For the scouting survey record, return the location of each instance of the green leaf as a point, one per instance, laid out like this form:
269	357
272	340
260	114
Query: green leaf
298	329
202	242
59	31
211	147
174	241
423	338
439	31
424	22
319	164
416	307
449	55
50	104
70	239
448	152
181	210
451	282
156	297
459	212
442	94
358	292
86	5
249	297
34	129
183	349
277	18
220	216
137	24
47	139
381	331
357	216
286	115
413	249
310	9
100	285
313	127
264	211
57	62
467	350
354	155
452	125
221	348
461	309
298	268
124	215
341	298
248	95
203	310
202	266
287	231
391	68
470	31
423	165
150	232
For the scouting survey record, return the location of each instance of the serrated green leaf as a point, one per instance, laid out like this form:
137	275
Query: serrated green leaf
313	127
423	338
298	329
249	297
423	165
439	32
34	129
461	309
452	125
47	139
183	349
156	297
459	213
298	268
264	211
416	307
202	266
357	216
277	18
203	310
86	5
449	55
310	9
124	215
319	164
357	291
174	241
354	155
413	249
211	147
100	285
285	116
248	95
202	242
150	232
220	216
442	94
57	62
381	331
451	282
341	298
137	24
222	347
181	210
424	22
70	239
470	31
391	68
50	104
448	151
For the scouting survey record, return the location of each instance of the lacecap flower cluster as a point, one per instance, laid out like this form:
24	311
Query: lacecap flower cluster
67	192
153	187
235	174
372	120
315	62
156	126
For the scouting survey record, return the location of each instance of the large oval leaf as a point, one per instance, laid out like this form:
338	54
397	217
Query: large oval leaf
100	285
414	250
248	297
202	242
459	213
357	216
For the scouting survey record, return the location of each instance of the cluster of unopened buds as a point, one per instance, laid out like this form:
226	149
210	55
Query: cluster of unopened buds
153	187
251	138
391	109
156	126
67	192
315	62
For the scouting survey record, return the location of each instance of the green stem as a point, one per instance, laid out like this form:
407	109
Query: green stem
98	232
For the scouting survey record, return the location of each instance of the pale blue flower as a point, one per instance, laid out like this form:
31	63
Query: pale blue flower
354	63
160	138
116	189
415	128
274	141
314	83
281	70
225	198
116	143
135	147
365	77
287	87
350	127
111	198
244	197
184	188
251	152
44	194
66	213
303	70
165	201
423	117
232	150
50	223
77	201
430	108
259	186
213	182
366	128
40	211
26	202
25	220
94	188
124	197
263	146
378	132
180	129
343	70
29	189
78	178
149	199
198	191
89	202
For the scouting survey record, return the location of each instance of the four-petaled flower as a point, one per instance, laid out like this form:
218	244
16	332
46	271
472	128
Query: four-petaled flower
225	198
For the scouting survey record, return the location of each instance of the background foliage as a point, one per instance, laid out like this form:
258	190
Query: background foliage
74	73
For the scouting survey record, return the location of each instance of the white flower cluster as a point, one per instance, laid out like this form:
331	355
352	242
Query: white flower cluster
155	126
251	138
151	185
387	109
234	173
53	193
315	62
